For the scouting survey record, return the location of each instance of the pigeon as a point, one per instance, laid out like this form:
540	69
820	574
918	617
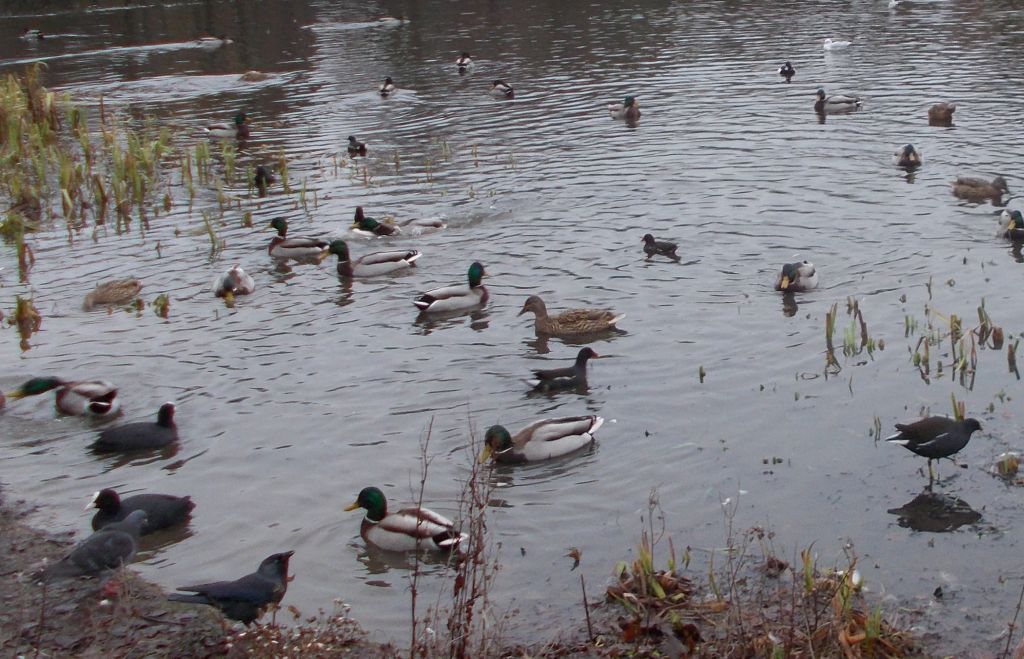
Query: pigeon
564	378
140	435
247	598
162	510
663	247
934	437
104	551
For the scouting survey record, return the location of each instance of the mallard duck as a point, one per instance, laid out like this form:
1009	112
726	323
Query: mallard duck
256	76
835	104
571	377
369	226
387	88
541	440
662	247
907	156
941	114
572	322
297	247
371	265
162	510
838	44
263	179
978	189
456	297
408	529
212	43
787	71
140	435
391	20
934	437
29	34
797	277
629	109
233	282
90	397
112	293
239	129
501	89
355	147
1014	225
464	61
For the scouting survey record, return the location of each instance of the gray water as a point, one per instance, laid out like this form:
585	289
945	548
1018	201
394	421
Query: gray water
311	389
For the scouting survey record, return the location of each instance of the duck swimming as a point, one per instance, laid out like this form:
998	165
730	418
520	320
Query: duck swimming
787	71
297	247
829	44
978	189
464	61
409	529
262	179
235	281
629	109
457	297
571	377
355	147
140	435
387	88
371	265
96	398
941	114
797	277
1014	225
541	440
239	129
653	247
835	104
501	89
30	34
112	293
572	322
907	156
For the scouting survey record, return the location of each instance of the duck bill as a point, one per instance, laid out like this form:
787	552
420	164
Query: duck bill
92	501
16	395
352	506
322	256
485	454
784	284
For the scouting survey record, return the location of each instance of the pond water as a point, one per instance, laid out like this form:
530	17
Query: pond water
310	389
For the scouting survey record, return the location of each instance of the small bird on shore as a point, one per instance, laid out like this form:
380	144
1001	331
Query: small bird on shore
104	551
797	277
571	322
86	398
162	510
934	437
654	247
408	529
247	598
541	440
140	435
571	377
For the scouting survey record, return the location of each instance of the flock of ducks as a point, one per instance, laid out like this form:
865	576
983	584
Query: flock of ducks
120	522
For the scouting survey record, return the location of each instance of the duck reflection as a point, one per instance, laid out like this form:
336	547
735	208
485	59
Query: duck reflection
479	320
789	305
934	512
377	561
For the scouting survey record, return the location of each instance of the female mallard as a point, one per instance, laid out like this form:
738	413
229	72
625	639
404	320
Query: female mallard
629	109
140	435
1014	225
90	397
355	147
571	377
387	88
797	277
662	247
162	510
572	322
297	247
369	226
907	156
464	61
233	282
112	293
977	189
239	130
787	71
501	89
456	297
541	440
371	265
941	114
835	104
409	529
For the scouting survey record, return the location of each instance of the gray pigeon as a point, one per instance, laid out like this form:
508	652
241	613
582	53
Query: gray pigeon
104	551
247	598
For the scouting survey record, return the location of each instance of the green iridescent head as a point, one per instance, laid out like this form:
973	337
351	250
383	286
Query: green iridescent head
496	440
280	224
628	101
1016	220
339	247
241	118
36	386
374	501
476	273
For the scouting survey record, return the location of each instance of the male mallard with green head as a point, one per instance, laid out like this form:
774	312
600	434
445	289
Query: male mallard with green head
502	89
978	189
797	277
87	398
907	157
541	440
629	109
408	529
371	265
387	88
1014	225
835	104
300	248
238	130
235	281
457	297
572	322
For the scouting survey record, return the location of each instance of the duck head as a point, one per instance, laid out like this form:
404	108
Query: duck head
476	273
496	440
374	501
281	225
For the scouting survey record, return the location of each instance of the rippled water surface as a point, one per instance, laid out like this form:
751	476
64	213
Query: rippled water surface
310	389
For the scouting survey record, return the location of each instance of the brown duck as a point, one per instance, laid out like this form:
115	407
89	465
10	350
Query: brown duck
978	189
572	322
